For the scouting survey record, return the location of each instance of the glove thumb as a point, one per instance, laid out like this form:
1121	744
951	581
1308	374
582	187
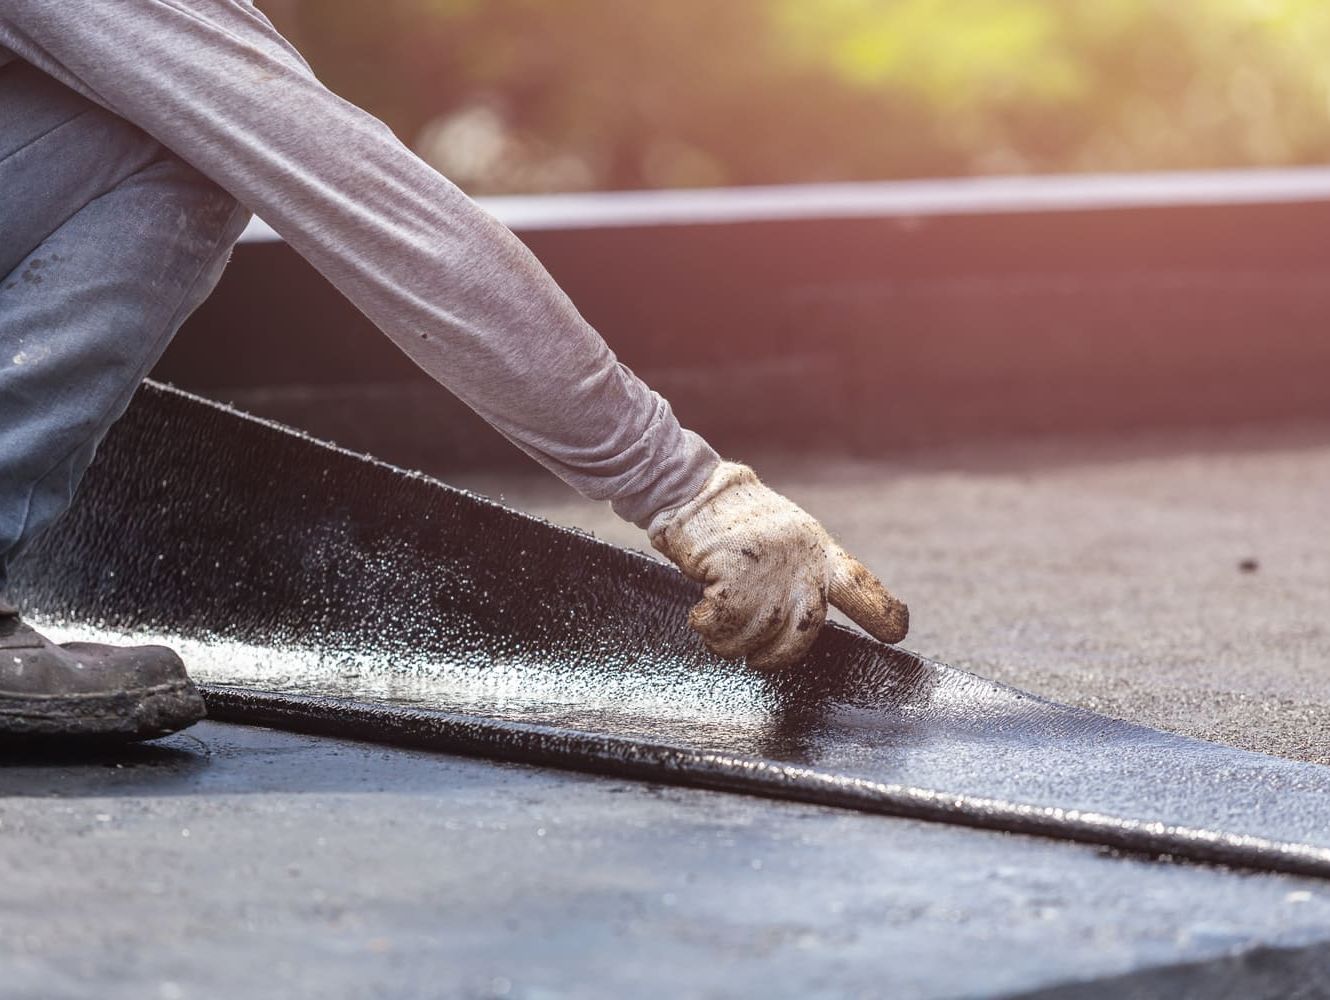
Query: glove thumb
860	594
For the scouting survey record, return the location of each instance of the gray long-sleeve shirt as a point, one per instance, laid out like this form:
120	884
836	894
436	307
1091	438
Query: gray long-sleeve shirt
215	83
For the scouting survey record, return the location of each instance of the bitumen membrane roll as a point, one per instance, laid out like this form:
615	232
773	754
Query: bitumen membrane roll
319	590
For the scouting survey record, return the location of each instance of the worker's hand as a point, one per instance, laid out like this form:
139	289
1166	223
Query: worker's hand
769	570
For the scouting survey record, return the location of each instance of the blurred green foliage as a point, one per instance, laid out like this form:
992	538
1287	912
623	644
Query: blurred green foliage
529	95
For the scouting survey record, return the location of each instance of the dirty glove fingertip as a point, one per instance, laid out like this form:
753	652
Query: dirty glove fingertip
863	598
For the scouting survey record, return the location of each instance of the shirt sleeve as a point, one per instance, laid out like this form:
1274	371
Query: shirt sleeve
214	82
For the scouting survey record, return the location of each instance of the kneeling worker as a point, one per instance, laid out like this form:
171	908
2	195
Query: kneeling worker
136	136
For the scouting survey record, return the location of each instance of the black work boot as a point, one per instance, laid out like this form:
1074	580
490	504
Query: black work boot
84	689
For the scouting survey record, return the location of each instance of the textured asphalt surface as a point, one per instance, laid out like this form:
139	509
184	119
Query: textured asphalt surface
246	862
1179	579
1175	579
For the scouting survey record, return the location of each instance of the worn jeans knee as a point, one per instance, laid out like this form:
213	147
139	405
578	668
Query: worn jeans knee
129	240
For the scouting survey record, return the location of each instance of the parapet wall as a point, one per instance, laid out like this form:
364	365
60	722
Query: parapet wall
862	318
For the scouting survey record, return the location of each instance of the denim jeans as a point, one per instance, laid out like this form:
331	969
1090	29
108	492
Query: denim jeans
107	243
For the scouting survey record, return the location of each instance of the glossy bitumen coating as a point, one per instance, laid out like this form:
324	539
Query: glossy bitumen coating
326	592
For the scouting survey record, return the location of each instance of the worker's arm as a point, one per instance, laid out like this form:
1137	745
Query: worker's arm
455	290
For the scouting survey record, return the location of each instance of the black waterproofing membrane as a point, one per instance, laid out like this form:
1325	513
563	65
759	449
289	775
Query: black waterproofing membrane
319	590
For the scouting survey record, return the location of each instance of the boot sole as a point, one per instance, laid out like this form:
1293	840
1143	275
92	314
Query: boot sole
120	716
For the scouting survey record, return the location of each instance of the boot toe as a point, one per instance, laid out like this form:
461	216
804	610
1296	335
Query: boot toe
135	667
86	690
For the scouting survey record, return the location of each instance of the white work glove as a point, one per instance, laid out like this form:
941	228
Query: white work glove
769	569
